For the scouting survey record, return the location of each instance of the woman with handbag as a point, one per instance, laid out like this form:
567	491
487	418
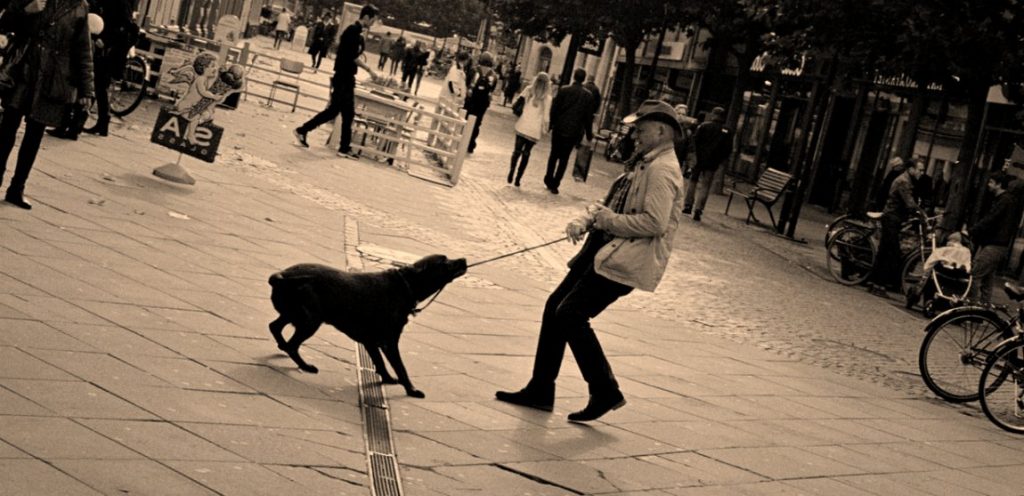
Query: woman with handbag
49	64
532	124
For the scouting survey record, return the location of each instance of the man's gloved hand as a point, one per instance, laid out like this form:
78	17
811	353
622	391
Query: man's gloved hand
575	230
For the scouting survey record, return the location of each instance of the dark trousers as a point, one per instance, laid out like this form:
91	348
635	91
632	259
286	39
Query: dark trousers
394	66
382	62
520	156
102	82
581	296
887	264
558	160
476	130
9	125
343	101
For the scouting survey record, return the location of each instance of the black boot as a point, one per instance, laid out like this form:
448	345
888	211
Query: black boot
99	129
511	172
599	405
15	197
531	396
62	133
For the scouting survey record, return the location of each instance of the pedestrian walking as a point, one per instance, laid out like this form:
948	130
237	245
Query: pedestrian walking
385	51
628	248
397	54
992	234
512	84
412	56
283	28
330	31
54	71
453	93
343	83
317	42
479	98
422	59
712	144
531	125
585	152
899	206
683	141
570	120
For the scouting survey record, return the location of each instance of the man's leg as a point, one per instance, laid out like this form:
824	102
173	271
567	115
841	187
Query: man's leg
549	174
564	151
347	106
983	269
326	115
588	298
476	132
691	191
703	189
887	261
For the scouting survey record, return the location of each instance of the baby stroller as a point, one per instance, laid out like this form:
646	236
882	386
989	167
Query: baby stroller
947	287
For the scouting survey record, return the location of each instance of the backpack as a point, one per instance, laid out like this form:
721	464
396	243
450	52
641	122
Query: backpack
480	94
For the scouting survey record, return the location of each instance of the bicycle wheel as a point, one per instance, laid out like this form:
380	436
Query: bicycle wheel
912	270
837	224
851	255
1002	380
955	348
126	94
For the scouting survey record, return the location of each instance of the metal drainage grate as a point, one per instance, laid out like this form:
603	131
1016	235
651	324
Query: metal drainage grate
380	452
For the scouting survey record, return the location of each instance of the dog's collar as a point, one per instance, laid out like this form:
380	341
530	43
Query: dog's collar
415	311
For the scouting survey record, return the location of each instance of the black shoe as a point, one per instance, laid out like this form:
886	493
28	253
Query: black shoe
98	129
18	201
598	405
300	137
62	133
525	397
510	174
878	291
912	298
517	183
696	215
687	210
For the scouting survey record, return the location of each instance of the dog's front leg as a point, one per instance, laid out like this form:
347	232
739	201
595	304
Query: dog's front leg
378	363
391	351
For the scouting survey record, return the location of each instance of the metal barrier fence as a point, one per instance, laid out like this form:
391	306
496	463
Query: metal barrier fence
423	136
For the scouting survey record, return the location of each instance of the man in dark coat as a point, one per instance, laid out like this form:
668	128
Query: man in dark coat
993	235
479	98
55	70
571	116
899	206
712	144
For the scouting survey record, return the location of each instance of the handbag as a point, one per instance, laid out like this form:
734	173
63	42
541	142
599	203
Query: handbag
12	58
581	167
517	107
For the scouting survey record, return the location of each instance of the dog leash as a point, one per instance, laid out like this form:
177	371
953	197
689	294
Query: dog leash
416	311
524	250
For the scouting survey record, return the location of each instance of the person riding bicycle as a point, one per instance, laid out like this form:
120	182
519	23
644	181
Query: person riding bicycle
899	206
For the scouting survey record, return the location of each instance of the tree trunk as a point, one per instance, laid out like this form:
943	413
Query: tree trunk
654	63
908	138
625	104
570	59
732	118
956	203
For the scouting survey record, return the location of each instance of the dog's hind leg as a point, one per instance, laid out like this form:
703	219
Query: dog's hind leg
276	328
391	351
303	332
378	363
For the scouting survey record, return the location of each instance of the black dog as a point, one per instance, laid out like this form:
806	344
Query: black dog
371	308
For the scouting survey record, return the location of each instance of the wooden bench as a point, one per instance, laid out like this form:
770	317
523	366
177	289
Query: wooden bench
767	191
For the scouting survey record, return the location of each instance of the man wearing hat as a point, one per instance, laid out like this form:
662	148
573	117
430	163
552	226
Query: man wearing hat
628	248
712	144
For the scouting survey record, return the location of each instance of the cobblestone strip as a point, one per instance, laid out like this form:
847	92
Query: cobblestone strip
381	461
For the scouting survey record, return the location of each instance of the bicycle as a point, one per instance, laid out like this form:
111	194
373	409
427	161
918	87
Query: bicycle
958	343
1002	400
126	94
852	249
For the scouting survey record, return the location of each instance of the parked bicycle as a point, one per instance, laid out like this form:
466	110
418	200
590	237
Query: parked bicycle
958	343
852	249
1001	388
127	93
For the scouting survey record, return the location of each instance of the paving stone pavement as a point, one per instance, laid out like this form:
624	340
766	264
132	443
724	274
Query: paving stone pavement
133	336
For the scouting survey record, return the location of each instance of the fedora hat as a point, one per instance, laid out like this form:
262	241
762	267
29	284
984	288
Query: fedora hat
655	110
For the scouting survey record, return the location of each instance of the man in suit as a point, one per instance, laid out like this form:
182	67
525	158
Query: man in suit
571	116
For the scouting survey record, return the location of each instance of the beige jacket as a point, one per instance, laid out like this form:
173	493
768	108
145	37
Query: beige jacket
643	233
